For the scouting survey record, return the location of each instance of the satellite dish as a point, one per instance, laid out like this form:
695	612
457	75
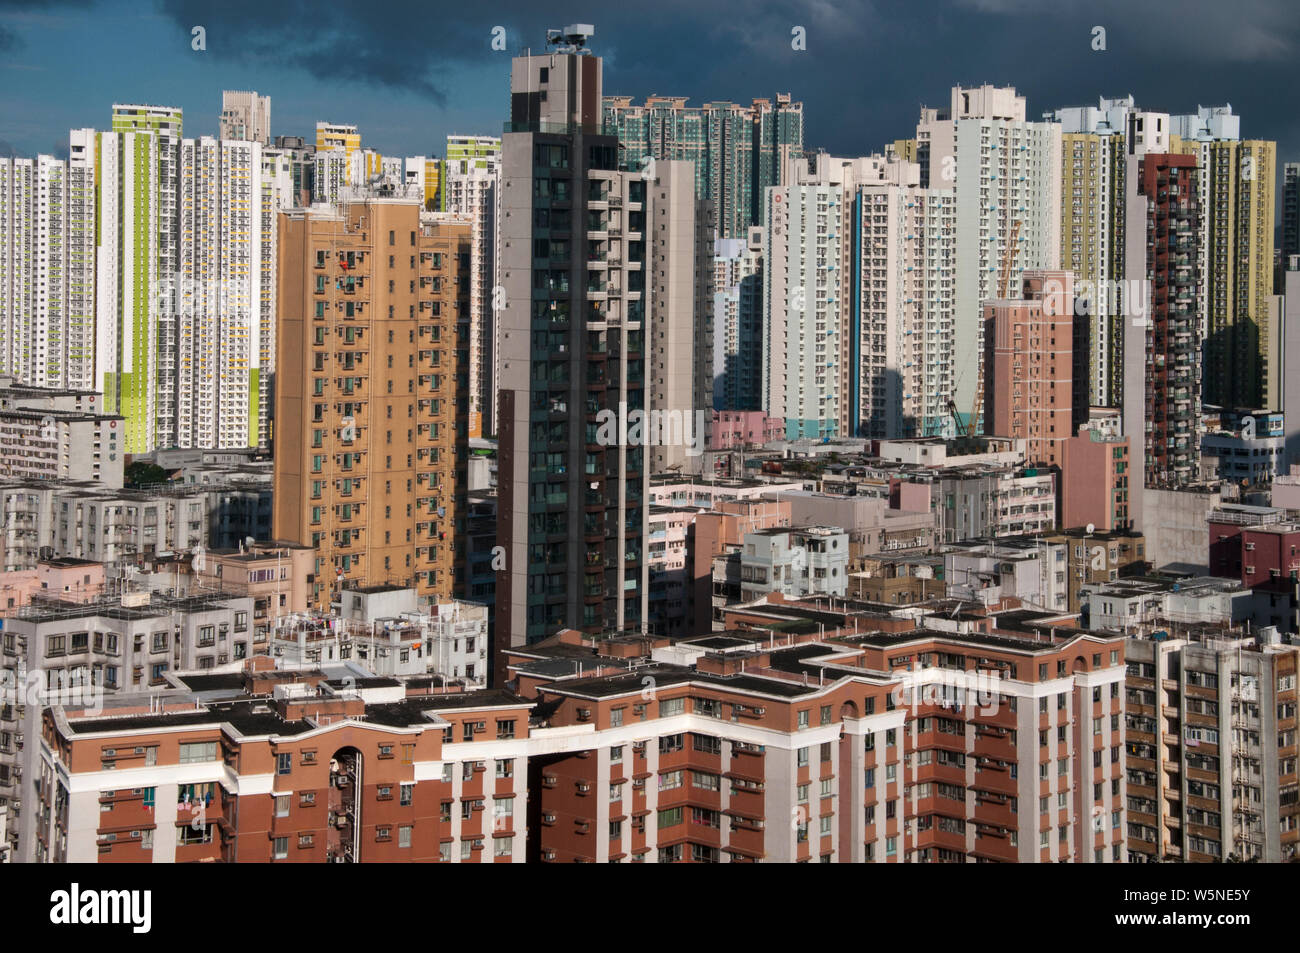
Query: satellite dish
1090	528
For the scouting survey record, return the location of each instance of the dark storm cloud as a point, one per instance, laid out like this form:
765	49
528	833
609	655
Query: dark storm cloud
867	68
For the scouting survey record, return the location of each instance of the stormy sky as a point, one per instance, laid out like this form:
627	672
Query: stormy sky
409	73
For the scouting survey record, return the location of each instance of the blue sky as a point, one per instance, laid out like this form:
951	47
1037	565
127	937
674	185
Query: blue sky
409	73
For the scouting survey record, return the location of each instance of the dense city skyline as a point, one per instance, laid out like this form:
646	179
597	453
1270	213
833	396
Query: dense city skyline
651	435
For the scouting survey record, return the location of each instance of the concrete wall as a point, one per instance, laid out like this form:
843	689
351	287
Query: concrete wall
1173	522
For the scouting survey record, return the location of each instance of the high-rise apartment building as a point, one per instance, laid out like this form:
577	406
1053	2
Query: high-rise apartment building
681	316
802	290
133	117
472	152
246	116
1162	366
1236	189
209	386
183	342
859	300
1236	179
137	260
738	322
426	173
572	472
471	186
335	136
739	151
331	174
1234	247
1094	143
302	164
370	436
1005	175
277	193
1028	363
1290	212
47	267
897	369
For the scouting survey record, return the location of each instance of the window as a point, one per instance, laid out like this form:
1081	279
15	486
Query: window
671	855
705	817
505	768
281	849
705	780
672	706
670	780
616	754
707	744
282	805
404	836
283	763
616	718
196	752
670	817
505	728
407	793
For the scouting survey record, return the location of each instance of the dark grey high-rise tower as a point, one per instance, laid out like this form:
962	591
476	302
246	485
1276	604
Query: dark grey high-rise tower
572	484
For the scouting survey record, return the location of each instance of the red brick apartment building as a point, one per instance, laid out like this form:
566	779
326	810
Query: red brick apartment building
312	772
800	733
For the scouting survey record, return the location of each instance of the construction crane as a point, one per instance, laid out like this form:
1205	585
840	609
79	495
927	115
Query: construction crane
1004	286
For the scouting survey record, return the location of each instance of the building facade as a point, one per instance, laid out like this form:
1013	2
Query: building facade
372	438
572	472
